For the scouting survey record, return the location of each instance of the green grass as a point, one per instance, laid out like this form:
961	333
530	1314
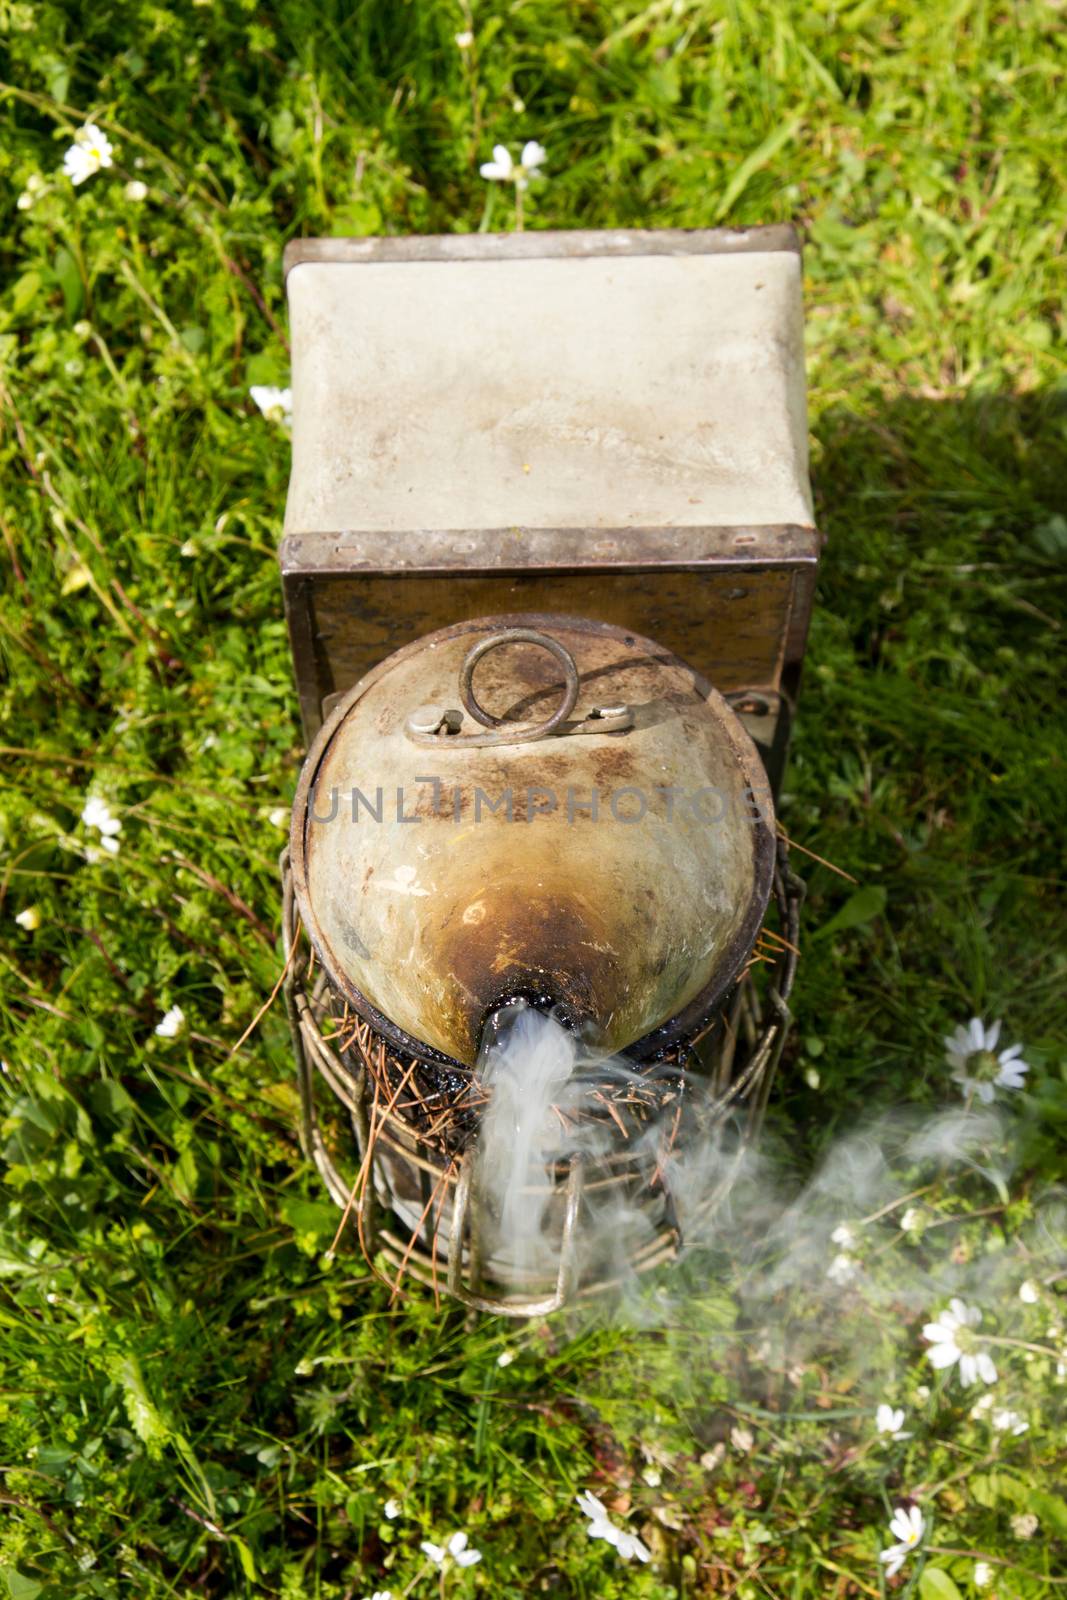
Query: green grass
193	1401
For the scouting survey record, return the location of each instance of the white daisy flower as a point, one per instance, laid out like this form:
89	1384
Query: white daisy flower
280	817
628	1545
844	1235
275	404
978	1067
502	169
456	1549
505	1358
742	1439
30	919
136	190
907	1525
952	1341
96	813
391	1510
171	1023
1004	1420
90	151
1029	1292
983	1574
888	1419
1024	1524
912	1219
382	1594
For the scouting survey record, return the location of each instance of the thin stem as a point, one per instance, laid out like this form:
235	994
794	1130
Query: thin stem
1018	1344
894	1204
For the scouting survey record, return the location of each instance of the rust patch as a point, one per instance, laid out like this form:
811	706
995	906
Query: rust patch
538	948
612	764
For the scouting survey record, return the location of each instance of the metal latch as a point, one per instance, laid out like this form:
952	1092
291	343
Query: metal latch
432	724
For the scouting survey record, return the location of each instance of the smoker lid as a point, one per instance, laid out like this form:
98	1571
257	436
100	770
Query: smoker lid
439	876
592	380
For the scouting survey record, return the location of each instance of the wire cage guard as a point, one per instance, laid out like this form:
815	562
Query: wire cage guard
412	1198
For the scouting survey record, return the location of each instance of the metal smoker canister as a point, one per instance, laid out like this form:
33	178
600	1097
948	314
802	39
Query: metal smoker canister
523	808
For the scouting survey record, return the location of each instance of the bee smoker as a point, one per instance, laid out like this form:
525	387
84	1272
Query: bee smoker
548	566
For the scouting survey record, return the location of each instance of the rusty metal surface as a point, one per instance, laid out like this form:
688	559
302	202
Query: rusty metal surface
636	928
489	550
738	627
546	243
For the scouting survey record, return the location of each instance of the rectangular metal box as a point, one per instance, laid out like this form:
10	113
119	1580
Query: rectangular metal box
608	424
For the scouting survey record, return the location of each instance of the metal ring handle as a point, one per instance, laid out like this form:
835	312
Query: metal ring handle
519	636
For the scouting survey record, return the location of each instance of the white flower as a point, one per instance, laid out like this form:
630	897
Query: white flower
741	1439
456	1548
983	1404
842	1270
505	1358
1028	1292
97	814
911	1219
1024	1524
35	187
907	1525
30	919
502	169
465	39
890	1420
983	1574
533	157
844	1235
1006	1421
652	1476
977	1066
275	404
391	1510
280	817
136	190
951	1341
630	1546
601	1526
171	1023
90	151
382	1594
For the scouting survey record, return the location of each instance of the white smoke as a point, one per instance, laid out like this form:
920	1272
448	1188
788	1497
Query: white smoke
526	1071
792	1252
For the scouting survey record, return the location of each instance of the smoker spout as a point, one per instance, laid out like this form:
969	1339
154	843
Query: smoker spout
501	1018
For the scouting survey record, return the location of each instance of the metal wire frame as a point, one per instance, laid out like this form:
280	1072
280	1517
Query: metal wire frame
740	1076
